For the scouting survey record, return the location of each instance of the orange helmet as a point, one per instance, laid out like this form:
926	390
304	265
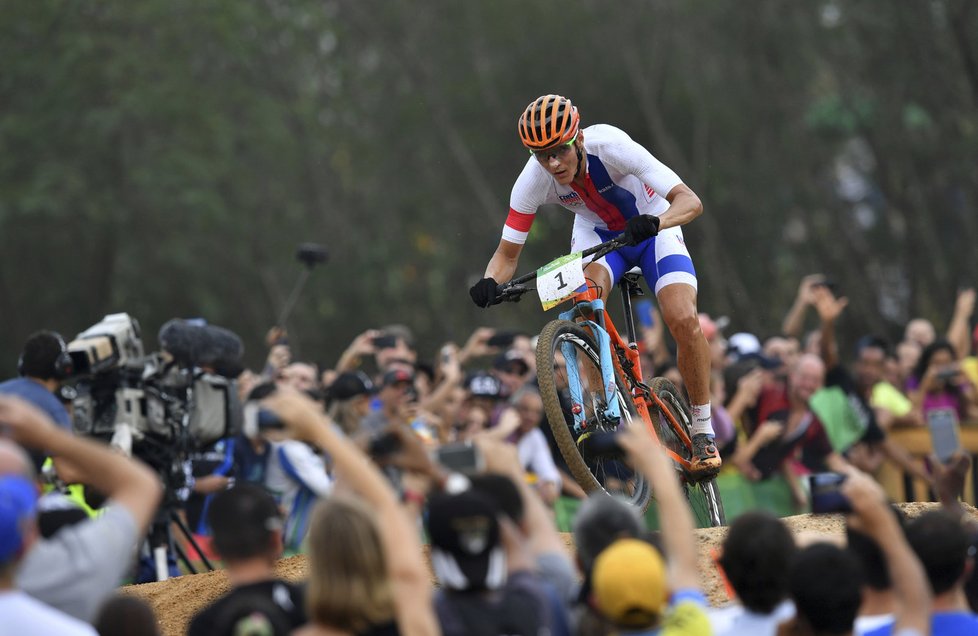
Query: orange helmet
548	121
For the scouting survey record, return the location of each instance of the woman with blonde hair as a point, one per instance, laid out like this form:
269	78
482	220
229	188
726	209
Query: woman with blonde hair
366	571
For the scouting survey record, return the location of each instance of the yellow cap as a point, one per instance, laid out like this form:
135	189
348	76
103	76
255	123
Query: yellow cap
629	583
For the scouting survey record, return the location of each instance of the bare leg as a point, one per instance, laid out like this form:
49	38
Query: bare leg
677	303
597	273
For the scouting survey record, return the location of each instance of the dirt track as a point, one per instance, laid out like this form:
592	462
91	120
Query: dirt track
177	600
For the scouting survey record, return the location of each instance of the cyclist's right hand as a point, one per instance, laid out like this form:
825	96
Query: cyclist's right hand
484	292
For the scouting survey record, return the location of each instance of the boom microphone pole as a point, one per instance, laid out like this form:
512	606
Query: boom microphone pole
310	255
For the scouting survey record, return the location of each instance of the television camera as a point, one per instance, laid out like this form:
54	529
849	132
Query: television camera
161	407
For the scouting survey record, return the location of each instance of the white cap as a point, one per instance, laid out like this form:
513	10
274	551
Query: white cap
743	344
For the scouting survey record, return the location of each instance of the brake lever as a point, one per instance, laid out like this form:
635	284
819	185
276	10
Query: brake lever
617	243
509	293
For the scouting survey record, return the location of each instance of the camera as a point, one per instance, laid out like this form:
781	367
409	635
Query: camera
112	343
826	496
170	403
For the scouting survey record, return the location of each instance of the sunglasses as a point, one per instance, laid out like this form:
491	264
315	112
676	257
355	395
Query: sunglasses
556	151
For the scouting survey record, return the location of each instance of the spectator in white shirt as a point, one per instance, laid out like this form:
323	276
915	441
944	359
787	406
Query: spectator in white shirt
20	613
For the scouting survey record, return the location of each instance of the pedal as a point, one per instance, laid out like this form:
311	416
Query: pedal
703	475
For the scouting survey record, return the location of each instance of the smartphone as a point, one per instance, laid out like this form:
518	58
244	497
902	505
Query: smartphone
462	457
944	438
826	496
643	308
384	342
501	339
832	286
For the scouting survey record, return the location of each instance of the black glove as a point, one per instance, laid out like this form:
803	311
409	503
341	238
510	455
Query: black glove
640	228
484	292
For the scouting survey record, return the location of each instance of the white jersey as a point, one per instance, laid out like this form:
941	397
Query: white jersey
20	614
623	180
296	476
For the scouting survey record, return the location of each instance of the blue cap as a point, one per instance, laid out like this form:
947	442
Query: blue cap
18	508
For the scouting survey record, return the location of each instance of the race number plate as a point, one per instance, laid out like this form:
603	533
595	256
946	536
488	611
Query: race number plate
560	279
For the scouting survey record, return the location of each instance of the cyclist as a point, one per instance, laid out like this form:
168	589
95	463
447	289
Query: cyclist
613	185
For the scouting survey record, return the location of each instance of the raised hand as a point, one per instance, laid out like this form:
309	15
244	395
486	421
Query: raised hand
807	287
829	307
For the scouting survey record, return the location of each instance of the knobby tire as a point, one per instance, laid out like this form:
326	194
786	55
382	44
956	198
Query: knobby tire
589	476
703	496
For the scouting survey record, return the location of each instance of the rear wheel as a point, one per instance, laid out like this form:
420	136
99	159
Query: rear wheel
703	496
563	344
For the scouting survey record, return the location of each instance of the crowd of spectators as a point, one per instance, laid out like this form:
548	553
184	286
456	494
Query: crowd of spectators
358	463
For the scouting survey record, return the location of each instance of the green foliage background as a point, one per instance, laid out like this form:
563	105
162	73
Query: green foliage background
164	157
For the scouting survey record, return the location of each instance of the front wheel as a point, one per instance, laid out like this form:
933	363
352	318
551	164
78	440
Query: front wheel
568	364
703	496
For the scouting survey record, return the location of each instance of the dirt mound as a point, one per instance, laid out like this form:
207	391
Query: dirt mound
177	600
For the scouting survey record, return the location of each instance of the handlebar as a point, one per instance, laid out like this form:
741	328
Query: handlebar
514	289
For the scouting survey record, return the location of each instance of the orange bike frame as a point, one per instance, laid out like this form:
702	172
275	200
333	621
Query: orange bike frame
641	396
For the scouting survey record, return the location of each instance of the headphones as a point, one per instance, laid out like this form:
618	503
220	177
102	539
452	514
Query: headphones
63	365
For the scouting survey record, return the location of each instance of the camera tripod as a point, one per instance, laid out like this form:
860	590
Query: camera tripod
162	542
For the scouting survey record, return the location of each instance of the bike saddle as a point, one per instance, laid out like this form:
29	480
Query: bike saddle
630	282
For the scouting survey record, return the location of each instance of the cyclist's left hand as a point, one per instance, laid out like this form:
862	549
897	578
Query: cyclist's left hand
640	228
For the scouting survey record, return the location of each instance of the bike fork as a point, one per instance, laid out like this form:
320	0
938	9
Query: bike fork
609	386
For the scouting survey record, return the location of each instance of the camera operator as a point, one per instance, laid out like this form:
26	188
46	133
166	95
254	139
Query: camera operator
80	566
43	363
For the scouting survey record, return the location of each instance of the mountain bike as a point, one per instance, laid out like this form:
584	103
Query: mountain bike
592	386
